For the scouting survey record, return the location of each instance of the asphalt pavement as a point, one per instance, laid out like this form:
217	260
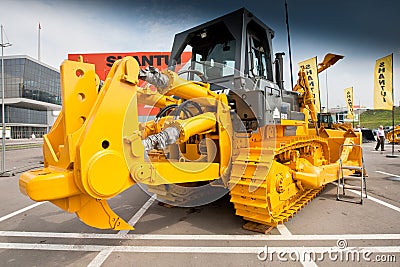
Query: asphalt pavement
327	231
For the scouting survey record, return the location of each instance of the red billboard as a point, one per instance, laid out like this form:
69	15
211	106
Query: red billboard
104	61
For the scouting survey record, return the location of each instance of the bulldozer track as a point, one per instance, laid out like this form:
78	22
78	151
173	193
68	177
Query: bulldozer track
251	189
393	136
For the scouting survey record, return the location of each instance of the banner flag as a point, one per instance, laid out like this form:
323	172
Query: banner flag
311	70
383	82
348	94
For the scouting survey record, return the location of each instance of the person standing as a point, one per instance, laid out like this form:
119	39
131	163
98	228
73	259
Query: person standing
380	137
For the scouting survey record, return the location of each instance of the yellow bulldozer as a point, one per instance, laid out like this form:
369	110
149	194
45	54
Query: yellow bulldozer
228	127
393	135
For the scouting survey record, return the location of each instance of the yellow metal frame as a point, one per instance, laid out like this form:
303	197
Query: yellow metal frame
83	152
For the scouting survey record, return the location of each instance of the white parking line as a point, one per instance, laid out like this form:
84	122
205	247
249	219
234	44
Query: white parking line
184	249
21	210
386	173
202	237
378	201
103	255
393	207
284	231
139	214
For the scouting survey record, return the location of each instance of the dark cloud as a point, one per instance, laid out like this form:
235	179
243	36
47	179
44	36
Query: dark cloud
362	31
366	24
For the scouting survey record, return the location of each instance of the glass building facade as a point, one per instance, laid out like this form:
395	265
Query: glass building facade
32	93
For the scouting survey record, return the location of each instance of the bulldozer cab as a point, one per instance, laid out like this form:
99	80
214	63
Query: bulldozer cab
233	53
326	120
231	47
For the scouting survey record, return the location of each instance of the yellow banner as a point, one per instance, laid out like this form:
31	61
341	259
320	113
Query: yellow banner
383	82
348	94
311	70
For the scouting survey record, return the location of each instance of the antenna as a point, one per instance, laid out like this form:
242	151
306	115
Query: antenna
290	48
39	28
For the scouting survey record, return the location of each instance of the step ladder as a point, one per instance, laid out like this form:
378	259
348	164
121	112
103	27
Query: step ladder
342	184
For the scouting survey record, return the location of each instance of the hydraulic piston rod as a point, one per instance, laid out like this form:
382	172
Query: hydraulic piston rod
169	83
181	130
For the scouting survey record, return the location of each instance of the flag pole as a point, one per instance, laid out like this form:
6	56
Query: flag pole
359	112
3	121
3	124
392	155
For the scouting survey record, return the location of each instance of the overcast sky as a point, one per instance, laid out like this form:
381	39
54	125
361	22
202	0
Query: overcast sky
362	31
